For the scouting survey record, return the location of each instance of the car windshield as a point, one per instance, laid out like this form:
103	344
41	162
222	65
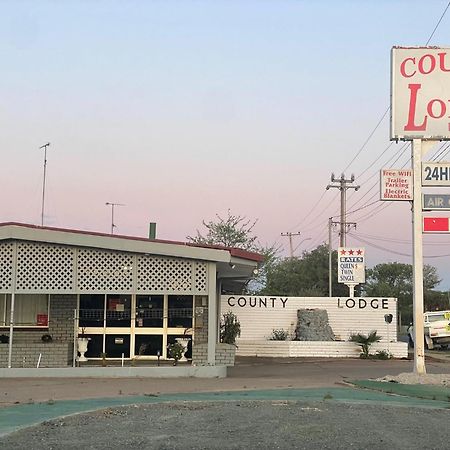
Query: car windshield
436	318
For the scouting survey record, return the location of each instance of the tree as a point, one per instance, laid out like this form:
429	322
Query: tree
307	276
436	300
237	231
233	231
395	280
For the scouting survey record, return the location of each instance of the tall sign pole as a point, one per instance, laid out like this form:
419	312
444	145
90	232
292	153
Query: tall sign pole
419	345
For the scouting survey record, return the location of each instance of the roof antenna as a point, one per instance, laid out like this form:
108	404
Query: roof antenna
113	225
43	181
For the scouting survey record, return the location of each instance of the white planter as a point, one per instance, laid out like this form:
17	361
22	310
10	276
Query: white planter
184	342
82	346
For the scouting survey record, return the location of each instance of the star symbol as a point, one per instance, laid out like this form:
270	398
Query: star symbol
342	252
359	252
350	252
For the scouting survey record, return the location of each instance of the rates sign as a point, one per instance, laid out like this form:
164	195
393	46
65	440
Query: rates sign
351	265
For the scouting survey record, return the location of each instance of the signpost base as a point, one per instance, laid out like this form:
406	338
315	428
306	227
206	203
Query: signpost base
351	289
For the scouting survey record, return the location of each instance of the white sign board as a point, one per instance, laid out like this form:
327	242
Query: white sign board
420	93
435	174
351	265
396	184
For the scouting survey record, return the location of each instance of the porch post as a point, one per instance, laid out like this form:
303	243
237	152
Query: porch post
11	330
11	315
212	314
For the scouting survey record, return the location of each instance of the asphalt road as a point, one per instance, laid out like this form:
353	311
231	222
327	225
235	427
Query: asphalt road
249	373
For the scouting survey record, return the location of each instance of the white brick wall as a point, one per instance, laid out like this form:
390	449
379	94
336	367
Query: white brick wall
320	349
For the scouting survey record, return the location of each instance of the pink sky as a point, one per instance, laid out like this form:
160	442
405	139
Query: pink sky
184	110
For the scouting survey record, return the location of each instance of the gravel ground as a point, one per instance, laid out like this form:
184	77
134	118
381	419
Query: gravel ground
241	425
413	378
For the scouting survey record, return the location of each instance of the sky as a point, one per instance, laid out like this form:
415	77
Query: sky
183	110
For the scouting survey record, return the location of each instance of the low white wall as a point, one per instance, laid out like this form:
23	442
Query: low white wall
320	349
259	315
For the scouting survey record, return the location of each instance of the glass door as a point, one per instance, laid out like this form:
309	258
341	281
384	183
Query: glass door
149	326
106	321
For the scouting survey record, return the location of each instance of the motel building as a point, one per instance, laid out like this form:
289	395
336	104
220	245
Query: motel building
131	297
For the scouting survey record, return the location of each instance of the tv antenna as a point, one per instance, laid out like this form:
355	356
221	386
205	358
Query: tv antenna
113	225
43	181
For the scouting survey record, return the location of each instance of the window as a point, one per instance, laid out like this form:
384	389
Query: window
30	310
180	311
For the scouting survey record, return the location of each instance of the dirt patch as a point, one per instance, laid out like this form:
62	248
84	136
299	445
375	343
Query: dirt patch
237	425
413	378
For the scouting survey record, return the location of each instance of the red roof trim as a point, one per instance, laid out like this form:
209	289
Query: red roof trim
237	252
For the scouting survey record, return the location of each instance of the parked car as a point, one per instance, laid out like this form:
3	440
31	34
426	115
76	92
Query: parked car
436	329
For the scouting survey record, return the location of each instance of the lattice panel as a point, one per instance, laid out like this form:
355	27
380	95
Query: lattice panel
6	264
44	267
163	275
103	271
201	285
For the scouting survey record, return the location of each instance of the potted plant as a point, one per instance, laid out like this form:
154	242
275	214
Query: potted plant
175	351
230	328
82	344
184	341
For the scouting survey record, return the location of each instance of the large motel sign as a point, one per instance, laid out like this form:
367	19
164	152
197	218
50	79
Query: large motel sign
420	112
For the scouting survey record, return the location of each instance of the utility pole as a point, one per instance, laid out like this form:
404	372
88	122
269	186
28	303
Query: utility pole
330	252
343	185
43	181
113	225
291	247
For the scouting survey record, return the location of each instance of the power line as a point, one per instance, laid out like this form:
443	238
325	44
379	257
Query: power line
379	247
311	211
437	25
368	139
380	207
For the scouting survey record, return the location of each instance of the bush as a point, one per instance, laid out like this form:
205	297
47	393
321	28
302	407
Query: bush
383	354
175	351
279	335
230	328
364	341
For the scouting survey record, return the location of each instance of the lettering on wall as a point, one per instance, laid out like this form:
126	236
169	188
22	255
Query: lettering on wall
363	303
257	302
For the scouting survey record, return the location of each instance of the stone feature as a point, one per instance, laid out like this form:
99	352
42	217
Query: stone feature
312	325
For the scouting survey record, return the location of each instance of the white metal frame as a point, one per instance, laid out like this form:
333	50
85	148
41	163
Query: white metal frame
132	330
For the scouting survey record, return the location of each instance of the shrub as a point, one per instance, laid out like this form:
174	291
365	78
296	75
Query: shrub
230	328
175	351
364	341
383	354
279	335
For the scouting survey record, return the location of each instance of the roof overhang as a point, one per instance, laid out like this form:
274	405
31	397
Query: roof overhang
227	259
